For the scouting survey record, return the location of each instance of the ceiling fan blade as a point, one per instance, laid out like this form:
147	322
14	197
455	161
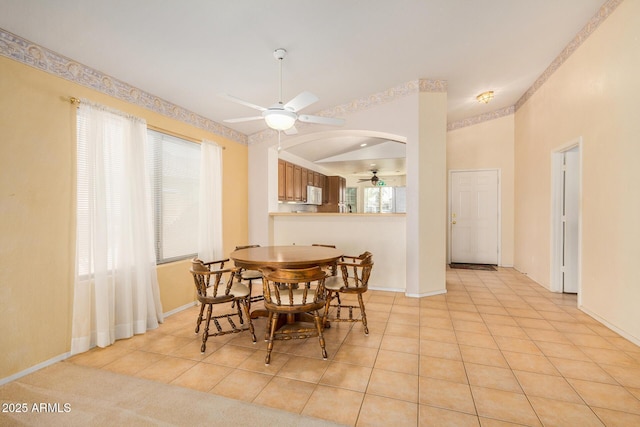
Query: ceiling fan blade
241	101
321	120
243	119
291	131
301	101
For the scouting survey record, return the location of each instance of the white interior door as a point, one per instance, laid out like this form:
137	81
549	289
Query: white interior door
571	206
474	217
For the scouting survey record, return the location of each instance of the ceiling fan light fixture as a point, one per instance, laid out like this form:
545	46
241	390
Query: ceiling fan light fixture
485	97
279	119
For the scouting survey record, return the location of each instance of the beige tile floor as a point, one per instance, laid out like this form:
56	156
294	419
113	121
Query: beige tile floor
496	350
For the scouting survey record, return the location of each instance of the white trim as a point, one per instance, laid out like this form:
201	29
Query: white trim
555	282
499	210
35	368
66	355
615	329
428	294
399	290
181	308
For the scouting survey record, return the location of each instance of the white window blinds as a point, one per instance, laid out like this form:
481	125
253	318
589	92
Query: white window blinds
174	171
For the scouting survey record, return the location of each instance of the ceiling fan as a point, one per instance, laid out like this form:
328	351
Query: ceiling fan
374	179
283	117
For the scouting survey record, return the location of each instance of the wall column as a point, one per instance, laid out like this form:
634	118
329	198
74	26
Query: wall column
427	194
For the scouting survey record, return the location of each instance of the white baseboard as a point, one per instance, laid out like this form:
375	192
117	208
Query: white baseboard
34	368
179	309
589	313
615	329
428	294
66	355
372	288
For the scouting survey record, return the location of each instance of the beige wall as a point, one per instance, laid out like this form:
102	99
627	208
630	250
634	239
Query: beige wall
489	145
593	95
37	211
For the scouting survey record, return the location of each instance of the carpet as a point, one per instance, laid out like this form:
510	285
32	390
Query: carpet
65	394
485	267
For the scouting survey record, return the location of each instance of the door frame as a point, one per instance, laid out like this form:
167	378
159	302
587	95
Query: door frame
450	208
556	216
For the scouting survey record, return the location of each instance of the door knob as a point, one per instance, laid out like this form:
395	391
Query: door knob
453	222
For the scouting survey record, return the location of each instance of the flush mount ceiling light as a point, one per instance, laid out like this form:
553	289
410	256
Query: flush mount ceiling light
279	119
485	97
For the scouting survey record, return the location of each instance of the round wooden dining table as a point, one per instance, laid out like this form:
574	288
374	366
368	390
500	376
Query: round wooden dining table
293	256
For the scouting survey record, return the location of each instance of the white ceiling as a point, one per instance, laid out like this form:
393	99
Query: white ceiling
187	52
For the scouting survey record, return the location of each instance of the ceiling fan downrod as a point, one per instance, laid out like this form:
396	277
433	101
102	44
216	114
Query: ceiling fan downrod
279	54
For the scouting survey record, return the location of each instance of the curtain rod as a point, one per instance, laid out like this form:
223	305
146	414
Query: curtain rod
76	101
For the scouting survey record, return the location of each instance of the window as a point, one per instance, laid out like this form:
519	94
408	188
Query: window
385	200
174	171
351	199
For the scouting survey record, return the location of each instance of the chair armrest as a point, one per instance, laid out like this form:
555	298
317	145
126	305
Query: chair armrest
233	270
220	261
349	264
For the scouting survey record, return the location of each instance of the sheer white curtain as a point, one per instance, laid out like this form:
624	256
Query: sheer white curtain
116	293
210	215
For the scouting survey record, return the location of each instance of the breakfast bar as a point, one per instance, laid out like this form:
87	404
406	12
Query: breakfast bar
352	233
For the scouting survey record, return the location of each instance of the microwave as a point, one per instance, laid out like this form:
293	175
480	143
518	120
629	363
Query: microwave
314	195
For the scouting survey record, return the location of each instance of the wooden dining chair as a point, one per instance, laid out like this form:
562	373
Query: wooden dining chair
333	268
294	293
353	278
250	276
215	286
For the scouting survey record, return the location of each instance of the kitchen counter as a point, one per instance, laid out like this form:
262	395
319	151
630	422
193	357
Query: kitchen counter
384	235
337	214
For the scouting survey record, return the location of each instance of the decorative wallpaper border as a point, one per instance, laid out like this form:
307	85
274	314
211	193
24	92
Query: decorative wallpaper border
366	102
30	54
470	121
602	14
23	51
391	94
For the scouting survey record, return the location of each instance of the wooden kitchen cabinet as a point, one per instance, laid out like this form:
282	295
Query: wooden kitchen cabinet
336	187
282	195
293	180
297	184
318	180
309	176
288	181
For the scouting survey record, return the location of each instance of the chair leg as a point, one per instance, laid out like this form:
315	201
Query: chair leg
272	331
199	318
320	327
363	314
237	302
268	329
250	293
205	334
246	309
327	306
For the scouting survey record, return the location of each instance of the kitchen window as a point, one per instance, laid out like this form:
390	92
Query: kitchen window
385	200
